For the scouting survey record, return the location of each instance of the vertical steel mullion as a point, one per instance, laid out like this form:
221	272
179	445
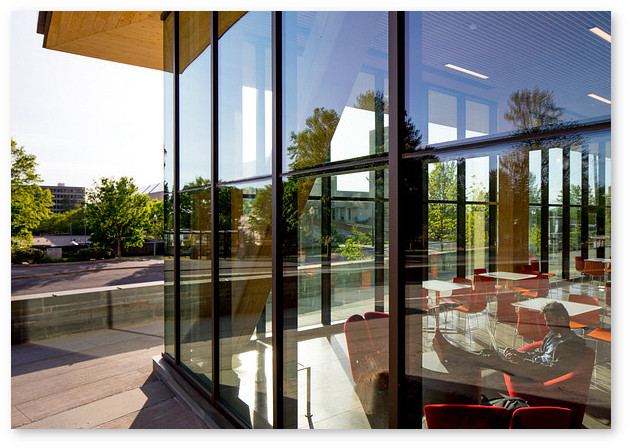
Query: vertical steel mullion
214	207
277	308
396	31
176	148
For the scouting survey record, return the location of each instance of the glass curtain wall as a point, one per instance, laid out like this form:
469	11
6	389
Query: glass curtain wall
245	218
506	169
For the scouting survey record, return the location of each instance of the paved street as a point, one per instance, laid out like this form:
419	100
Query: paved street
32	279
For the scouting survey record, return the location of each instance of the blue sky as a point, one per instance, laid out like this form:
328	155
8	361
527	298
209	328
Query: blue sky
83	118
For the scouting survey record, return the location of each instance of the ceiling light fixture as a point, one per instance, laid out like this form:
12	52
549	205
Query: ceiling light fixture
599	98
470	72
603	34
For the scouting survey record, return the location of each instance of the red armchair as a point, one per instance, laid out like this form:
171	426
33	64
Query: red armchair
462	416
569	390
541	417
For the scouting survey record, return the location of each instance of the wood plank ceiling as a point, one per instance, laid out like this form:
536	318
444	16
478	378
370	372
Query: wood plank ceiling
127	37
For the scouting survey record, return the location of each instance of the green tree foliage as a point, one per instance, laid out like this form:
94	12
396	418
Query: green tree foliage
117	214
29	203
72	222
155	229
443	217
354	245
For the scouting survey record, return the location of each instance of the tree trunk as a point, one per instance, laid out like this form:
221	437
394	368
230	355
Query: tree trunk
118	253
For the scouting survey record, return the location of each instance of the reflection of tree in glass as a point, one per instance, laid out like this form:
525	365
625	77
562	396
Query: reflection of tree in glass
532	109
311	146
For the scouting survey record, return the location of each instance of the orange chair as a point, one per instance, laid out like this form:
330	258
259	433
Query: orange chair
541	417
584	320
567	391
462	281
475	304
530	325
594	269
466	416
599	334
579	266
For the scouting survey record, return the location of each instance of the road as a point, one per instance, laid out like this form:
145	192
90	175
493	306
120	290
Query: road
53	277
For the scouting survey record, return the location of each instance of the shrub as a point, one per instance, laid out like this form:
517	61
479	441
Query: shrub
27	255
94	253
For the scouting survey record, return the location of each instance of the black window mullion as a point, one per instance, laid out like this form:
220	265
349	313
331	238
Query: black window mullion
176	224
214	208
277	308
396	30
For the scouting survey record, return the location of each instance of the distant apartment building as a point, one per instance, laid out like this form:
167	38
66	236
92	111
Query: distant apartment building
65	198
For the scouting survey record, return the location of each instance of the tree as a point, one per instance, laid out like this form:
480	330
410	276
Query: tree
117	214
29	203
311	146
71	222
443	217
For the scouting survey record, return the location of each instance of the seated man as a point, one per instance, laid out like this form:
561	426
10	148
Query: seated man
559	353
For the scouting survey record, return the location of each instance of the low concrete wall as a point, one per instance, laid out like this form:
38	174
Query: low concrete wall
42	316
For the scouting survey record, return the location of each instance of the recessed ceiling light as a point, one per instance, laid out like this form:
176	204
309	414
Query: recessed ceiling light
599	98
603	34
470	72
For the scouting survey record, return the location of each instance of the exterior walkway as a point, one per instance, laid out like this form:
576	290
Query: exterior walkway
98	379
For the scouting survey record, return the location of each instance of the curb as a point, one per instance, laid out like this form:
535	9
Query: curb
52	274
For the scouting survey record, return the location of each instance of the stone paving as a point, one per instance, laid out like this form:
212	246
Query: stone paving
98	379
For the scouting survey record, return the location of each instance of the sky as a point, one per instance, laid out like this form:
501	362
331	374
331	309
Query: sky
83	118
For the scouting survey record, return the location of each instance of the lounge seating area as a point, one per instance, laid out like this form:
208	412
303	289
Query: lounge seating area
507	317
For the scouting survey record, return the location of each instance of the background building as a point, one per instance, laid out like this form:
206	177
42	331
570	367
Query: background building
65	198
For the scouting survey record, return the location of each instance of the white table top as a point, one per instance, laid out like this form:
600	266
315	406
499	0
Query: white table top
508	275
603	260
441	285
572	308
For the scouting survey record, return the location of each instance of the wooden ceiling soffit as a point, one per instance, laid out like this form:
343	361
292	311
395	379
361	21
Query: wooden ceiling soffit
127	37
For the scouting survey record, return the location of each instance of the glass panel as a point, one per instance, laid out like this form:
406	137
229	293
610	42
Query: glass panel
535	177
169	252
575	175
195	100
195	283
476	73
555	240
593	173
334	80
555	175
245	98
341	237
575	240
245	274
169	277
535	246
477	227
